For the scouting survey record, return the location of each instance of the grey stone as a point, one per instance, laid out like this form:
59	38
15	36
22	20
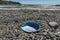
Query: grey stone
53	25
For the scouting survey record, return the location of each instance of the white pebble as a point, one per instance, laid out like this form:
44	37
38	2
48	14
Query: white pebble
53	23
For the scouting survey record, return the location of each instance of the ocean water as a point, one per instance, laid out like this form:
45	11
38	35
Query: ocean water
8	6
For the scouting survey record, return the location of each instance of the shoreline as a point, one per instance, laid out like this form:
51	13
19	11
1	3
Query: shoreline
26	9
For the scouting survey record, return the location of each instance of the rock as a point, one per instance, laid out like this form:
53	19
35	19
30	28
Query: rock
53	25
57	33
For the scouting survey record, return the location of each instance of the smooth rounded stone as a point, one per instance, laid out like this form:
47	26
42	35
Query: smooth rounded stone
53	25
57	33
30	27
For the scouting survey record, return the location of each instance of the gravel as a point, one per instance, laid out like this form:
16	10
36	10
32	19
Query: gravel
11	21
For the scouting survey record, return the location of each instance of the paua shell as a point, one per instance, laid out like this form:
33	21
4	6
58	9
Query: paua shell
30	27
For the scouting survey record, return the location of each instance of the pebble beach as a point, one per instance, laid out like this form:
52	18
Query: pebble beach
12	20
